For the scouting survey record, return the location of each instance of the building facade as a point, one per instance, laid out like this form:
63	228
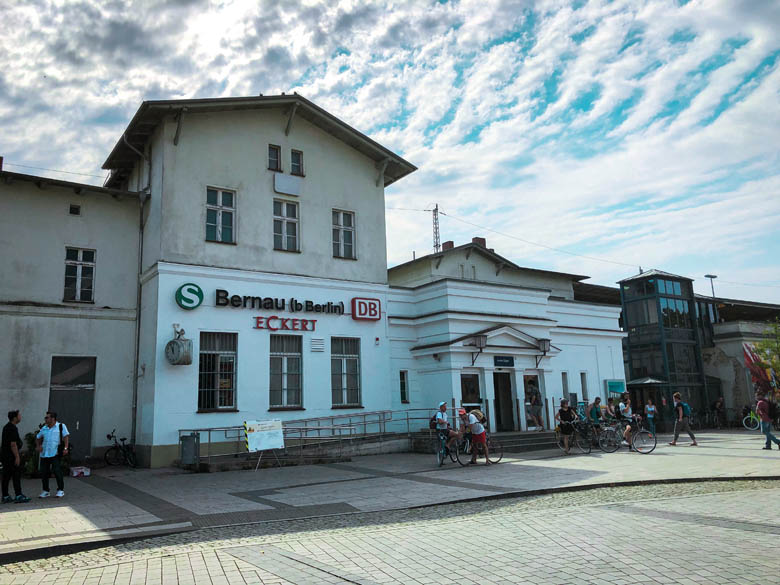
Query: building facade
472	328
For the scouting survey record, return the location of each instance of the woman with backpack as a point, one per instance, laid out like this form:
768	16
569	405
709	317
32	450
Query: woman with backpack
682	416
764	410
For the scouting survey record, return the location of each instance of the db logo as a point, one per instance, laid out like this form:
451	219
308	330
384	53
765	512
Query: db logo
366	309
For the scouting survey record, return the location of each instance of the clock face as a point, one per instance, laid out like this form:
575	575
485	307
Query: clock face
172	351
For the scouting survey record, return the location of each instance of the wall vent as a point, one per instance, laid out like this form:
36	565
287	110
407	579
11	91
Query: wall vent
75	210
317	344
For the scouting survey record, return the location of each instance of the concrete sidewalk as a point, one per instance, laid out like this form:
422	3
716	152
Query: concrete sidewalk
122	503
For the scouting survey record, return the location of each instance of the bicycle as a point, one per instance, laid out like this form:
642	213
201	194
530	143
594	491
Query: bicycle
443	451
119	453
751	422
642	441
582	437
694	421
464	446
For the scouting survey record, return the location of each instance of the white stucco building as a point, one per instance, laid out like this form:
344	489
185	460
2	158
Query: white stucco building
472	328
257	226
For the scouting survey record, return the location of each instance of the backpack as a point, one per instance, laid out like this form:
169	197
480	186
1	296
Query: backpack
686	408
772	410
432	422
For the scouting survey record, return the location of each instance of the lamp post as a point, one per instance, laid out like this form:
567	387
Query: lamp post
711	277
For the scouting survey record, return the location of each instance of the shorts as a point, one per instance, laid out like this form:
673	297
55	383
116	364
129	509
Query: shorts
480	438
567	428
536	410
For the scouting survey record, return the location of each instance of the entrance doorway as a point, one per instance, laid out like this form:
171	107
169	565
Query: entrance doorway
505	419
71	396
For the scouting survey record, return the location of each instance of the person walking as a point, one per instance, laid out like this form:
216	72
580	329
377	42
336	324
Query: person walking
650	411
11	456
762	410
682	416
52	442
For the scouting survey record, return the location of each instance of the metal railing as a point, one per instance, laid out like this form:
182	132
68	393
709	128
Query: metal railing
330	436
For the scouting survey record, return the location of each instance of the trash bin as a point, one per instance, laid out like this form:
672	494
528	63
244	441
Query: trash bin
190	449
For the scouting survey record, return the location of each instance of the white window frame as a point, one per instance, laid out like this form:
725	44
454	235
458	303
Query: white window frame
278	150
301	172
339	228
80	264
285	220
222	356
219	208
403	381
285	356
344	390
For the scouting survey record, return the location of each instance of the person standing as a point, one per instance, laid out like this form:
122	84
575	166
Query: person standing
566	417
650	411
10	449
682	414
762	410
52	445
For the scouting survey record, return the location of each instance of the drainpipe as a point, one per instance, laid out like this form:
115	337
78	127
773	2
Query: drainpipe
143	198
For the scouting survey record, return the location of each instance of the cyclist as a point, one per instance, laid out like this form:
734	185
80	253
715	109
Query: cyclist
565	417
443	426
624	409
472	421
609	414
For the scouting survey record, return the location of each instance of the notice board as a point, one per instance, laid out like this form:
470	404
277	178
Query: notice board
262	435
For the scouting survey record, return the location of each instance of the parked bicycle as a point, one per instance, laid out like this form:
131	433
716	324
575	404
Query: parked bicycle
751	422
119	453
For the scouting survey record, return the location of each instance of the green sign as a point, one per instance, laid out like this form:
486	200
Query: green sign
615	386
189	296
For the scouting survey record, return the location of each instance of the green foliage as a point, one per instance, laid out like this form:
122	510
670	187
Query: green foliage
769	349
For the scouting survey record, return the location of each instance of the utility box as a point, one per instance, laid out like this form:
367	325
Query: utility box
190	449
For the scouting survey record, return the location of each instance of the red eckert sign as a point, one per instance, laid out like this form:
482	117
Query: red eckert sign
366	309
276	323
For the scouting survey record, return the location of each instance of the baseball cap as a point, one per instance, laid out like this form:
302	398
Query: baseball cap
442	403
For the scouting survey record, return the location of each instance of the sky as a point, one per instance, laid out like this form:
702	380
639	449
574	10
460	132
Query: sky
592	137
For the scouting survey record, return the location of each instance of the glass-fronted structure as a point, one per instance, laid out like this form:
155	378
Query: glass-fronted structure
667	327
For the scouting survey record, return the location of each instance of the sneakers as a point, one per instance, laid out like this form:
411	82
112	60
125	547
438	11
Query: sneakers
60	493
7	499
44	494
767	448
21	499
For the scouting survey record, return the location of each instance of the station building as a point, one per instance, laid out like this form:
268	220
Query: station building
234	267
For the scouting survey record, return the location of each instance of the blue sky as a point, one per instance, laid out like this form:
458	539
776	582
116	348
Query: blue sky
641	132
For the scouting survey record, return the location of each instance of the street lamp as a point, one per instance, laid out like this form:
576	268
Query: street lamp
711	277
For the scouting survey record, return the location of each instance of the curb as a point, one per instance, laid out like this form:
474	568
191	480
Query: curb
76	547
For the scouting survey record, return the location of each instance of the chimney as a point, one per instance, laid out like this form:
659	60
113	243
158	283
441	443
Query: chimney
479	242
448	245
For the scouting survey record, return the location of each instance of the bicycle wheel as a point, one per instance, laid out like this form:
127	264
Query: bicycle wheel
609	441
583	442
463	452
114	456
644	442
495	451
453	452
559	440
750	422
440	452
130	457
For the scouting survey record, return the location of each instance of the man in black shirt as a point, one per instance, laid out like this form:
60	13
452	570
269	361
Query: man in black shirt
10	453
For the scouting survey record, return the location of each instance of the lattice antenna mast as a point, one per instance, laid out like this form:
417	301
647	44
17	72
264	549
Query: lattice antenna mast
436	238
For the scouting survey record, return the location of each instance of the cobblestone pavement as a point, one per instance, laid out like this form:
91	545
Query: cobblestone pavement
706	533
116	503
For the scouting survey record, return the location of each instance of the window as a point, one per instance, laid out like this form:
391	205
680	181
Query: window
220	215
584	385
469	389
565	383
217	371
79	275
75	210
345	371
343	234
404	381
296	162
274	158
286	371
285	226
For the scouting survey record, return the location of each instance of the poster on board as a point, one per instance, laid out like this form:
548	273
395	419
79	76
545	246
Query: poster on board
262	435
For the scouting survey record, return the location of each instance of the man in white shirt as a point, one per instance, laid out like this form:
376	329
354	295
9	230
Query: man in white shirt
443	426
49	438
478	435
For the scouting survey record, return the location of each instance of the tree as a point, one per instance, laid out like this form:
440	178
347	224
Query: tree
768	352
